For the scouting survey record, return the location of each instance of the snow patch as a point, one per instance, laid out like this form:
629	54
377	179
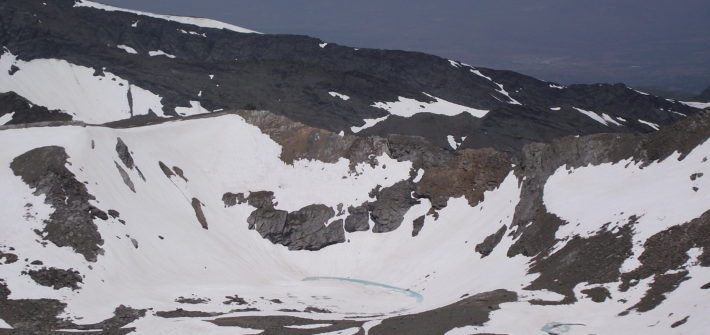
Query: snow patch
604	119
559	87
322	45
368	123
338	95
160	53
192	32
4	324
500	89
127	49
4	119
452	142
200	22
650	124
406	107
555	108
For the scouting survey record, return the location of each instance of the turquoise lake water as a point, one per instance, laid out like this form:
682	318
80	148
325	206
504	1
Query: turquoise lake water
407	292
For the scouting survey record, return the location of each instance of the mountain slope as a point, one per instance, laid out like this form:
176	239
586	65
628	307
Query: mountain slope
161	181
308	80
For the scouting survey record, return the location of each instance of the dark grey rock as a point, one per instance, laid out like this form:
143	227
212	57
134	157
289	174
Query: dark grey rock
181	313
126	178
56	278
418	224
8	258
25	112
124	154
166	170
387	212
71	224
180	173
358	219
261	199
232	199
302	229
235	300
471	311
197	207
490	242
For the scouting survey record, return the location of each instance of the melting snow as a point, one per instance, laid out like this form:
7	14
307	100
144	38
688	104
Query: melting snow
559	87
322	45
127	49
338	95
200	22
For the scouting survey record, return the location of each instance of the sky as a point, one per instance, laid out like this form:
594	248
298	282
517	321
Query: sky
658	43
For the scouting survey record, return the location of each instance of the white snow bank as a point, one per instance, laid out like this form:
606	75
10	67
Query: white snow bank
200	22
701	105
58	84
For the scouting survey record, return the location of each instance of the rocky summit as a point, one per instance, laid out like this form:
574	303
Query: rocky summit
165	174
